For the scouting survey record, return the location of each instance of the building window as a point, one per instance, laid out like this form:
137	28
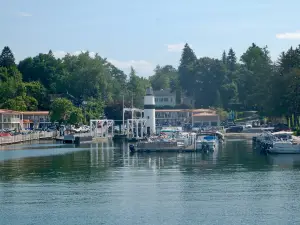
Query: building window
171	100
161	99
214	124
156	99
165	99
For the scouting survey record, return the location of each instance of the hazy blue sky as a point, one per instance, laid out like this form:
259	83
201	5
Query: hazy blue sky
143	33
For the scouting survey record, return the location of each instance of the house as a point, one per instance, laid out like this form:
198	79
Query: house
166	97
10	119
205	118
179	117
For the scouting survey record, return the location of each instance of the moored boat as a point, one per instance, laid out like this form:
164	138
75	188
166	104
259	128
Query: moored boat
284	147
208	141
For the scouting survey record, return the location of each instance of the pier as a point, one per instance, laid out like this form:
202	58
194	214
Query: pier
13	139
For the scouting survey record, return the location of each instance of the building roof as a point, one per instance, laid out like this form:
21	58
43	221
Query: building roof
7	111
194	111
163	92
40	113
204	114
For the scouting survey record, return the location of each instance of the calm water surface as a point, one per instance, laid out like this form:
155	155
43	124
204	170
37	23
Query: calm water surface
48	183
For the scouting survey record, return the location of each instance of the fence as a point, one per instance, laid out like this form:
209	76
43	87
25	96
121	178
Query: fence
27	137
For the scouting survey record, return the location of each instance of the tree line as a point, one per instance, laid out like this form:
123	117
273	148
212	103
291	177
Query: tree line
80	87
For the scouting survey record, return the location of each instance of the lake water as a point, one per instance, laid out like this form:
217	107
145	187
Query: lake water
48	183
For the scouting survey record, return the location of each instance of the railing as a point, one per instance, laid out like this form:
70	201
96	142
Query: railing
14	120
27	137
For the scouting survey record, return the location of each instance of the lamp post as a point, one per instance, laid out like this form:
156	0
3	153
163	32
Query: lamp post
84	103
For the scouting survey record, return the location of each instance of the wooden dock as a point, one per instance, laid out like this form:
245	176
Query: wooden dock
7	140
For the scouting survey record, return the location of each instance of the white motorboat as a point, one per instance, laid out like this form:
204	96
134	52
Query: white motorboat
207	142
283	142
284	147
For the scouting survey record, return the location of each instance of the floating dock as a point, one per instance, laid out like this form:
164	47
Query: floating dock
161	147
75	139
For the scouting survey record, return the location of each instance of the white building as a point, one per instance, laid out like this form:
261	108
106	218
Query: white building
149	111
10	119
166	97
35	119
179	117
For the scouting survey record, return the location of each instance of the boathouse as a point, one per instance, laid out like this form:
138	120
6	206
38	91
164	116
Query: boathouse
179	117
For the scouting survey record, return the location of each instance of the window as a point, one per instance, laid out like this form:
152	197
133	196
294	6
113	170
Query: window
166	99
214	123
171	100
161	99
156	99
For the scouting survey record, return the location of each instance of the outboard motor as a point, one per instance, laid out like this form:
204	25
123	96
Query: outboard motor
205	147
131	148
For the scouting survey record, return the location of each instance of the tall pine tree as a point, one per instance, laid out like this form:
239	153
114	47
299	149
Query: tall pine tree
187	70
224	58
231	60
7	58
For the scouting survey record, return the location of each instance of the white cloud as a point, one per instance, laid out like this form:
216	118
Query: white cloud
24	14
289	36
142	67
175	47
61	54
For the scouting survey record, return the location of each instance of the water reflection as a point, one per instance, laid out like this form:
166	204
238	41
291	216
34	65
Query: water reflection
50	161
102	183
284	161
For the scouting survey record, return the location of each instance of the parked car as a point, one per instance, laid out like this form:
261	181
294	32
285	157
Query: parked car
281	127
234	129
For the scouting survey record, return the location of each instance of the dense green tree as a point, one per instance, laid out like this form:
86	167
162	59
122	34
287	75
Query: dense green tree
210	77
16	103
187	70
224	58
94	87
39	92
76	116
7	58
231	60
61	109
137	88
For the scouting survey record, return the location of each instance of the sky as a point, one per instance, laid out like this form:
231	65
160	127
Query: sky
144	33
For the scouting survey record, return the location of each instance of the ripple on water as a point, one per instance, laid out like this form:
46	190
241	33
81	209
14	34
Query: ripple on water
100	185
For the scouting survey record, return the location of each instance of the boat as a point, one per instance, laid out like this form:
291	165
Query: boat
284	147
282	142
207	142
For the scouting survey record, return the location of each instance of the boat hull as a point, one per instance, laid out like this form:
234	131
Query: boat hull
284	148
